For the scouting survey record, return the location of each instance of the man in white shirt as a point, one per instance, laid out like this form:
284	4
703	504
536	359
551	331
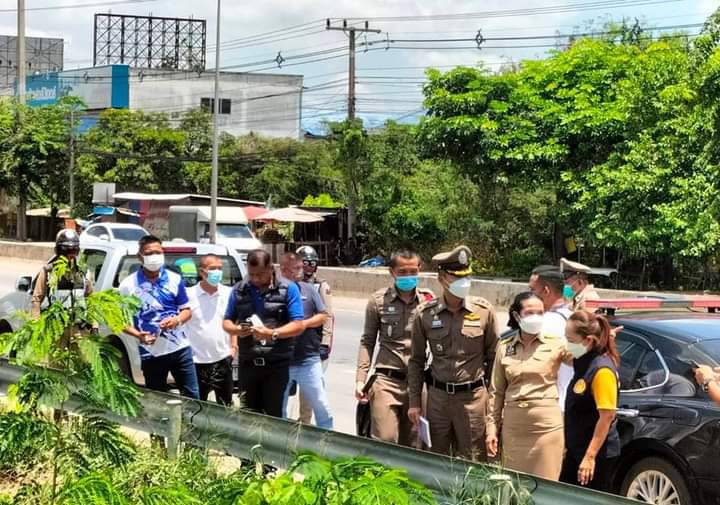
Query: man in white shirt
547	283
213	349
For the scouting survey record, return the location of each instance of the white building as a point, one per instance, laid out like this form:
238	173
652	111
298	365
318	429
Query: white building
267	104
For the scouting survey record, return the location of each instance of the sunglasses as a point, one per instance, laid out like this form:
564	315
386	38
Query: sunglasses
310	263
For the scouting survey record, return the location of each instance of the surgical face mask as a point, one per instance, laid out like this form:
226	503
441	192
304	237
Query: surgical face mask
461	287
532	324
406	283
153	262
214	277
577	350
568	291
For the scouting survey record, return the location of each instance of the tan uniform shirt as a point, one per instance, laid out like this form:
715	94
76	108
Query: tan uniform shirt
586	294
388	322
40	292
523	373
461	343
328	328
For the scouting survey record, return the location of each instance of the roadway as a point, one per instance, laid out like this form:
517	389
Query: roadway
340	378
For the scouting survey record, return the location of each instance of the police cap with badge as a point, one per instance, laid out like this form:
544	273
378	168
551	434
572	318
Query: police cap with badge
455	262
570	268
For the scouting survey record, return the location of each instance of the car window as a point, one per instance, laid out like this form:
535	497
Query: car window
234	231
129	234
186	265
641	370
96	231
93	260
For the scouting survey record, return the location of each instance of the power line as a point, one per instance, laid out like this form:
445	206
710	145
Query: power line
532	11
80	6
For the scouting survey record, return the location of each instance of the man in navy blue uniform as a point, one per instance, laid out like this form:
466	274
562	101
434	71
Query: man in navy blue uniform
264	314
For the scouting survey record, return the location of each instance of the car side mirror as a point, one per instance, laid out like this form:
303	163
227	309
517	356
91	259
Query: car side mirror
105	237
23	284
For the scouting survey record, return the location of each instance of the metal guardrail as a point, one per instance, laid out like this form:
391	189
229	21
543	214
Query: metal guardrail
275	442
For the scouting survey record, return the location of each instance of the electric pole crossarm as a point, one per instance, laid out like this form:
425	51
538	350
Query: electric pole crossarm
351	31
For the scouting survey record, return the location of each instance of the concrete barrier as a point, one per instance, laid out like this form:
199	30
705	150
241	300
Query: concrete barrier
349	282
362	282
26	250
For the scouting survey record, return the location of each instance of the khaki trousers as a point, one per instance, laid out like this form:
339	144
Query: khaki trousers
457	423
389	412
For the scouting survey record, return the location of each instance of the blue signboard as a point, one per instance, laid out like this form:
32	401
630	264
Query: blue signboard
42	89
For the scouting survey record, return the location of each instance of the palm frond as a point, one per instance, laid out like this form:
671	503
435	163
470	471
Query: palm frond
93	489
103	439
168	496
111	308
25	439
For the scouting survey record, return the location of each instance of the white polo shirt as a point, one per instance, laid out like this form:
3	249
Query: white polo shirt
208	340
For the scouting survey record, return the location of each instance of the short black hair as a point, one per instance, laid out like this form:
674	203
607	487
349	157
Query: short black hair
550	276
516	306
404	254
206	257
259	258
147	240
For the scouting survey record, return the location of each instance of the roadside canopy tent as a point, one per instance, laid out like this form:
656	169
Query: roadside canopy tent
290	215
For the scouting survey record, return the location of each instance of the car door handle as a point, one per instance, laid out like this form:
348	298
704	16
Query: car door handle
627	412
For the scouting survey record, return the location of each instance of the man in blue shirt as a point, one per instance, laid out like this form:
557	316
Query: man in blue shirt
164	347
306	368
265	313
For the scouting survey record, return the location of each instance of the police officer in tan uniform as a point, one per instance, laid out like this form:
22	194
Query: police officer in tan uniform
388	323
577	283
460	332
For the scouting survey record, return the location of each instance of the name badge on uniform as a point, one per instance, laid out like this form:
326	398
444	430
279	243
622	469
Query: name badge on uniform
436	323
390	308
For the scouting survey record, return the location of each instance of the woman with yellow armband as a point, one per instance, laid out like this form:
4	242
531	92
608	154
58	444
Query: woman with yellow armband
591	437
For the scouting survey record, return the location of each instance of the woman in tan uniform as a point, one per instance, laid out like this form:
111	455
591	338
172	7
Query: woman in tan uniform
523	407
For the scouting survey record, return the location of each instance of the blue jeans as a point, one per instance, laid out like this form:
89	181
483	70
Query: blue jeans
180	365
309	378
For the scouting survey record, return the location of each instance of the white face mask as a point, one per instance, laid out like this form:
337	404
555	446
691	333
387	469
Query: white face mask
153	262
461	287
532	324
577	350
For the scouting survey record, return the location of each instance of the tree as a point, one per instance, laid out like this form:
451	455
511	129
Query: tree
34	158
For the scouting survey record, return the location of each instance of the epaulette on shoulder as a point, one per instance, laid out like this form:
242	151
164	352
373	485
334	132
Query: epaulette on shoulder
428	304
480	301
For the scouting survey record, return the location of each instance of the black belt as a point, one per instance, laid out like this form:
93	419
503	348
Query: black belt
263	362
452	388
392	373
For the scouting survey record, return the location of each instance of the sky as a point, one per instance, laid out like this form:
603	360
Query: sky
390	76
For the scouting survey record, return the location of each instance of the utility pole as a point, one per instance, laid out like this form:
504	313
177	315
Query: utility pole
72	161
21	68
216	135
351	31
21	64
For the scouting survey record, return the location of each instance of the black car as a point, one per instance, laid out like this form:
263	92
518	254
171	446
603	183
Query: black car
669	428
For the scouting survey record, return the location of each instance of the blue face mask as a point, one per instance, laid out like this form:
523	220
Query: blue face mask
407	283
214	277
568	291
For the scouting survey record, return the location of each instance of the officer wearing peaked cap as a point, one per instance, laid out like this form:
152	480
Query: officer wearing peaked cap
577	283
461	335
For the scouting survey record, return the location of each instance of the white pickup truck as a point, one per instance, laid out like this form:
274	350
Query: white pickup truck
108	264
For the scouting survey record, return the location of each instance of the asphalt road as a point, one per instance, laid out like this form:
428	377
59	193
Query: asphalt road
340	377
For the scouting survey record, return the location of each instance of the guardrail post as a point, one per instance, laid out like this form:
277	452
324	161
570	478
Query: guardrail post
503	485
174	421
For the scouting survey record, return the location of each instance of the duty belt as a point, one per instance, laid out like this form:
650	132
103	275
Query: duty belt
392	373
451	388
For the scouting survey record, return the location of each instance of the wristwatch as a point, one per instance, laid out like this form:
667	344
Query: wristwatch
275	335
706	385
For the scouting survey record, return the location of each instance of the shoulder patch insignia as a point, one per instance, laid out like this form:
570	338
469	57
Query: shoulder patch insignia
580	387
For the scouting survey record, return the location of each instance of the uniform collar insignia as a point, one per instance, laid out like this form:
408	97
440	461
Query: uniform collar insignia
472	316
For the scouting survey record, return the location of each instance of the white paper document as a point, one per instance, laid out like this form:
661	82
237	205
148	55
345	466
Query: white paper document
424	432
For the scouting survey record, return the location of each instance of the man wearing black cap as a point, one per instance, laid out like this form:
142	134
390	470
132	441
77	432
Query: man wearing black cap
547	282
73	284
461	334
